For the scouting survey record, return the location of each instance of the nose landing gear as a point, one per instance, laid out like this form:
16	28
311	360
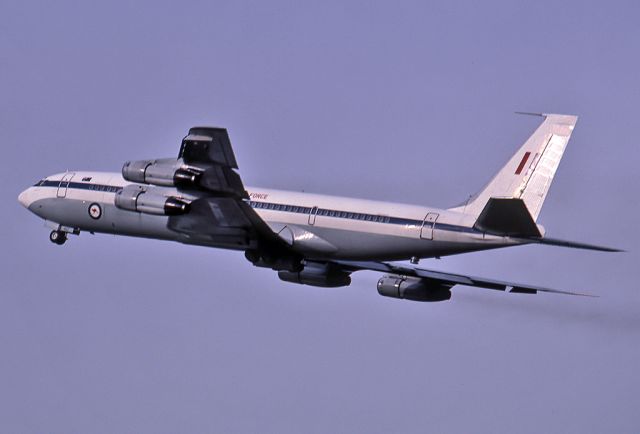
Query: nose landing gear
58	237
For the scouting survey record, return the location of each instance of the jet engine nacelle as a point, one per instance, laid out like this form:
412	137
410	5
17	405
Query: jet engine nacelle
137	198
166	172
313	274
413	288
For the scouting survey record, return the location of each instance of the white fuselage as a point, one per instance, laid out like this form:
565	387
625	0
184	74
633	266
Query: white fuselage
316	226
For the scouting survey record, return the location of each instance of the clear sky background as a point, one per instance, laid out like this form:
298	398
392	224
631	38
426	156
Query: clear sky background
400	101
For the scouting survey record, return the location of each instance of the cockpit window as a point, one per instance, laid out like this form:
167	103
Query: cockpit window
39	183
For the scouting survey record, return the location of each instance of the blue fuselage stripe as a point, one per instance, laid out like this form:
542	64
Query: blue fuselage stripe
319	212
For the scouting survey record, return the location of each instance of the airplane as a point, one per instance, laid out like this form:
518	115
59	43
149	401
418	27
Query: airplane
310	239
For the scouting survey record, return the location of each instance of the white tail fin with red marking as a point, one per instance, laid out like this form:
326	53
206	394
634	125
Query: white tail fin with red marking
529	173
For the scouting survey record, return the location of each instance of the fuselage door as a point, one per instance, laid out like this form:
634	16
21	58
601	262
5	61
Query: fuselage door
64	184
312	215
426	232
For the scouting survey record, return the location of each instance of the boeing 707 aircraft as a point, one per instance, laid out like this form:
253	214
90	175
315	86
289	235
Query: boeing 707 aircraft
199	198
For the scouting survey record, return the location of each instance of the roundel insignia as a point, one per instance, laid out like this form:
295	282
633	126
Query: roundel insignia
95	212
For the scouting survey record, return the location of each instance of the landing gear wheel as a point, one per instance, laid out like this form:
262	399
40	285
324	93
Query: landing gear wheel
58	237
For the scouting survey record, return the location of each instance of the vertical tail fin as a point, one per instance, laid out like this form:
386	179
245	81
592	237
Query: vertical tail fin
528	174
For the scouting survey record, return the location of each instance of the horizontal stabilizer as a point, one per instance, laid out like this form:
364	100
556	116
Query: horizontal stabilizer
572	244
507	217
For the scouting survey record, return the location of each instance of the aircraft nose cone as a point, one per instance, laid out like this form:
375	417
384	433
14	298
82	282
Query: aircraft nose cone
24	198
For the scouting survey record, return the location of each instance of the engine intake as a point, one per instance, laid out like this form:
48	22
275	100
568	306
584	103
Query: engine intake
139	199
413	288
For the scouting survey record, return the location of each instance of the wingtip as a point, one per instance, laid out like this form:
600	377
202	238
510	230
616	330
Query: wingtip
577	294
532	290
608	249
582	294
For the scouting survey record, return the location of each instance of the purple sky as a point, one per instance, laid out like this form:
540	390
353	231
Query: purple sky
410	103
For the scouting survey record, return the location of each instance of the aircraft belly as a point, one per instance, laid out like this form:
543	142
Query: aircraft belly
369	246
302	240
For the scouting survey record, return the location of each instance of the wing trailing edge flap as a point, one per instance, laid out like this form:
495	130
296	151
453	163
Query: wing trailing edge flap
224	181
451	278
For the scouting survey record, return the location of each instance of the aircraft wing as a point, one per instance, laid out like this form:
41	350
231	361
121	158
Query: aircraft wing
451	279
220	215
